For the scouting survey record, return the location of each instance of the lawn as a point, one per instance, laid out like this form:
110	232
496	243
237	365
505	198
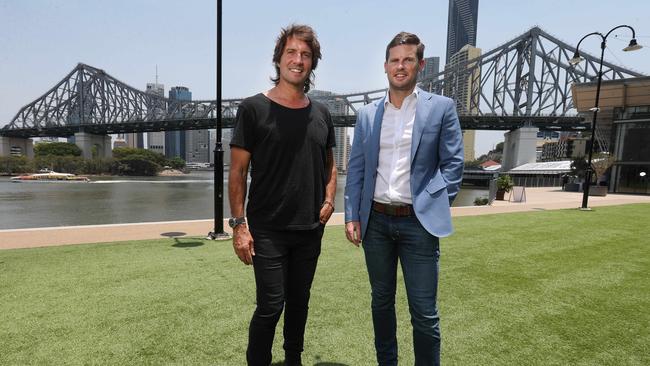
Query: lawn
540	288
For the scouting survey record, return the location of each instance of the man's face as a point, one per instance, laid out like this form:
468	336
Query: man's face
295	62
402	67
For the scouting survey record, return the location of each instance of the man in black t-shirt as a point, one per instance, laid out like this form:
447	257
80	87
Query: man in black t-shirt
287	139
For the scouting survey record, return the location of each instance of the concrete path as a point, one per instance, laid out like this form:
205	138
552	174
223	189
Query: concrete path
536	199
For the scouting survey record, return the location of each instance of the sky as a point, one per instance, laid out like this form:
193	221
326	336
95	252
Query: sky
43	40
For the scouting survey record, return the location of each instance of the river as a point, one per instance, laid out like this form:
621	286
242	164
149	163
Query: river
113	200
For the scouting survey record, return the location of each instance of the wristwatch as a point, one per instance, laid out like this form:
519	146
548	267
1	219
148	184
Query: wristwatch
234	221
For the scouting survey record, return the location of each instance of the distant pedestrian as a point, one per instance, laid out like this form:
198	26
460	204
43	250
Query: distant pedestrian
287	138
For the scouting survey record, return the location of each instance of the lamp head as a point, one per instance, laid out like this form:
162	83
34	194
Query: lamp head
633	46
576	58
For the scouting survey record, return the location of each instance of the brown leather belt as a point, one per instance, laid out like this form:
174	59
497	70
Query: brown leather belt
393	210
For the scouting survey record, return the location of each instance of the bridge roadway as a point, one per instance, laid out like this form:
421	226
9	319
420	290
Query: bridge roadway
538	199
495	123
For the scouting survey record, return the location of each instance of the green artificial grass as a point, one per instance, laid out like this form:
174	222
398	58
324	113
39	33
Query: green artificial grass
540	288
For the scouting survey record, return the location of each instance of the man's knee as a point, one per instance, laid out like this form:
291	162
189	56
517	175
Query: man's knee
383	300
425	320
269	313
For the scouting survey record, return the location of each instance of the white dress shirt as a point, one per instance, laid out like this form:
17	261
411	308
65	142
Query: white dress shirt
393	183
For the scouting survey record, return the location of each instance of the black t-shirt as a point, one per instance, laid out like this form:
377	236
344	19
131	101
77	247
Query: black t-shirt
288	161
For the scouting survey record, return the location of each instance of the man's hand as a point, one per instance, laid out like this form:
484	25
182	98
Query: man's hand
353	232
242	241
326	212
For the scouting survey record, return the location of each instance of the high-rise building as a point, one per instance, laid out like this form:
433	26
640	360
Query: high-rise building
197	145
464	87
193	146
156	140
175	140
461	25
337	107
431	67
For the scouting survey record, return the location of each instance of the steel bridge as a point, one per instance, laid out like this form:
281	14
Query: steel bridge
524	82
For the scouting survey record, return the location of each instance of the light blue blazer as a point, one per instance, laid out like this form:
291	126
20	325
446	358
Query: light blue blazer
436	162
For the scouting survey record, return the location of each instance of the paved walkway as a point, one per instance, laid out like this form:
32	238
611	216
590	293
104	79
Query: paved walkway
536	199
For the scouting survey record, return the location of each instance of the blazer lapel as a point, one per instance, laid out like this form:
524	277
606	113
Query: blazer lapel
375	133
422	110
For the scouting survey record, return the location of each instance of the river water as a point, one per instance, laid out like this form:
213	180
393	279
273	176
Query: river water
112	200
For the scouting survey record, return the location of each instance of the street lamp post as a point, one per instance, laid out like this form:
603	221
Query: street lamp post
218	233
633	46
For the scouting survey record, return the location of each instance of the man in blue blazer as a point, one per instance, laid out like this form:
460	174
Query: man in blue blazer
405	170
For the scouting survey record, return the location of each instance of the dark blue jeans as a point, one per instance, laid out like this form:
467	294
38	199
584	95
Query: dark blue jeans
284	266
387	239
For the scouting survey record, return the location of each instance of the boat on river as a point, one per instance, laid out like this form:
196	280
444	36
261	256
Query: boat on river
50	177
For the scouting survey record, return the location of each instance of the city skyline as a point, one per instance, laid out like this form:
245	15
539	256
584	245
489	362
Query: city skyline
129	39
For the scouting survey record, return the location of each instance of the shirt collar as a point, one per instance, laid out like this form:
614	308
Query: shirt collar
415	94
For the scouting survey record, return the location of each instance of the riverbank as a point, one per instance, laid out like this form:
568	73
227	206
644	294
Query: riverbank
538	199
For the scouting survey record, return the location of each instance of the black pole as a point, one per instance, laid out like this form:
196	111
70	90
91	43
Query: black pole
603	44
218	233
585	189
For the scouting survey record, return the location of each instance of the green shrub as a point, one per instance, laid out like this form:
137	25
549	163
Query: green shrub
56	149
123	152
98	166
15	164
135	165
480	201
505	183
176	163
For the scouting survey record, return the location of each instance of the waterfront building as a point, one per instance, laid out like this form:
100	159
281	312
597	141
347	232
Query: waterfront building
622	130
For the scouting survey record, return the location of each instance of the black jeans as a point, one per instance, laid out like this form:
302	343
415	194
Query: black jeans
284	265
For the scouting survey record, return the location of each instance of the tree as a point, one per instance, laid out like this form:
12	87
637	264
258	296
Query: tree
56	149
123	152
600	163
135	165
579	167
176	163
14	164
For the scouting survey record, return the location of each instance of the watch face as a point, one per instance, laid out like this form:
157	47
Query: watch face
232	222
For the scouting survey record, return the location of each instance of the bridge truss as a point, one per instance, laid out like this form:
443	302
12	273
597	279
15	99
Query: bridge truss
526	81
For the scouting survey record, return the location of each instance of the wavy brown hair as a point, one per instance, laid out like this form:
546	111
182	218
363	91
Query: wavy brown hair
306	34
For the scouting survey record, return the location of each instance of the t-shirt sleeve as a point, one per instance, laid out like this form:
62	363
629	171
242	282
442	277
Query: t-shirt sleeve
331	138
243	134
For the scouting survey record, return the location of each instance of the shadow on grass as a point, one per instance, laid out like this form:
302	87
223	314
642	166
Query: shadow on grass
187	244
179	243
281	363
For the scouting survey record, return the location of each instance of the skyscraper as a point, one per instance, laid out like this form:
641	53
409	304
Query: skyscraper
156	140
431	67
463	87
175	140
461	25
